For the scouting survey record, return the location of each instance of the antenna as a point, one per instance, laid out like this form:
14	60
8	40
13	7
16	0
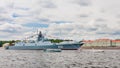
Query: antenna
37	31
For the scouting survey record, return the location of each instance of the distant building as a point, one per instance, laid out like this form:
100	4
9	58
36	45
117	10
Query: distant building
102	42
116	42
6	44
88	42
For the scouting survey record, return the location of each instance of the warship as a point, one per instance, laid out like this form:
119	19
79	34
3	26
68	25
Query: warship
42	43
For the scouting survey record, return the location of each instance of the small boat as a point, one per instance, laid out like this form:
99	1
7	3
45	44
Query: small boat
52	50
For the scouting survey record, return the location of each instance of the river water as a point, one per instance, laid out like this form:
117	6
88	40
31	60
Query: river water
84	58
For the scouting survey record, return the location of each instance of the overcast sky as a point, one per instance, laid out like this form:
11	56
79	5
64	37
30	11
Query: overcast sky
66	19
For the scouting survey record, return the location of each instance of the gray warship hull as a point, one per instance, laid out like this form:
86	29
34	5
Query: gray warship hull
62	46
43	43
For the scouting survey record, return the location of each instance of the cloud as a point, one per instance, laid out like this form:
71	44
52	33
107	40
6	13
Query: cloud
84	2
21	8
100	20
47	4
67	30
8	30
12	28
72	19
58	22
37	25
118	16
19	15
84	15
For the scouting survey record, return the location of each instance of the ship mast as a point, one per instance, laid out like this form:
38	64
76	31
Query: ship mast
40	36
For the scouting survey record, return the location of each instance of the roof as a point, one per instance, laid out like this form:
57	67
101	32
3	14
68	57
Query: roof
100	40
115	40
103	39
88	41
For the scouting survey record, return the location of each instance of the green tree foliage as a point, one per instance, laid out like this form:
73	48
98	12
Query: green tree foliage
3	42
57	40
